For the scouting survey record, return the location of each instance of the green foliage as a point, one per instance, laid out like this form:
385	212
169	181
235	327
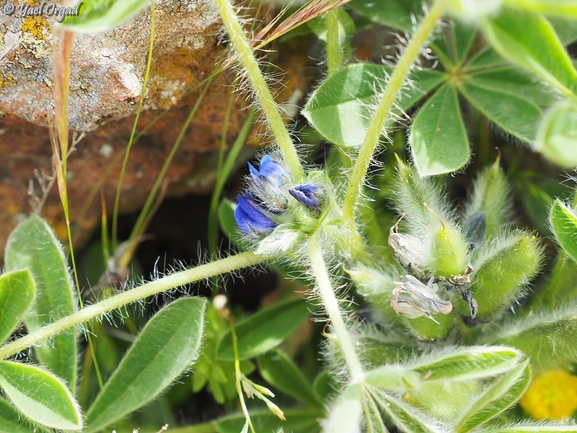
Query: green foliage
437	315
166	346
17	292
33	245
102	15
438	122
263	331
40	396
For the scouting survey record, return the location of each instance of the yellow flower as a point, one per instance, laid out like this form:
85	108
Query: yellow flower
551	395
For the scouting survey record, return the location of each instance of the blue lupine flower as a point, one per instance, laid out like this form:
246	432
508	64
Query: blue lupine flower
269	171
308	194
250	218
268	185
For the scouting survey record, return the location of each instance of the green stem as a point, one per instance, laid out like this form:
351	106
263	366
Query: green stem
331	305
164	284
260	88
399	76
334	51
133	132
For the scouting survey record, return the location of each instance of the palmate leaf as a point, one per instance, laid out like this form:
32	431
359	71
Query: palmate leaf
166	346
439	142
340	109
539	50
516	115
40	396
32	245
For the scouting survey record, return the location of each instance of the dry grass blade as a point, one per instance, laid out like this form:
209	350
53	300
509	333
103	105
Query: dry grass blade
301	16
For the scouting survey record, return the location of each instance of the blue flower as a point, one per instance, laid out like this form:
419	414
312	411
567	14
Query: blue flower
269	171
308	194
267	185
250	217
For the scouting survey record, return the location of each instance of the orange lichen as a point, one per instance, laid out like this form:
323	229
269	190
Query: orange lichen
34	25
551	395
6	80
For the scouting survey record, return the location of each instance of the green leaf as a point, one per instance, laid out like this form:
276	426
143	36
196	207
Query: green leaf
484	59
564	8
533	428
40	396
101	15
564	223
408	418
17	292
546	339
264	330
557	135
340	109
469	363
394	13
515	81
439	142
346	412
565	29
346	26
281	372
514	114
166	346
539	50
11	420
297	420
501	395
453	43
32	245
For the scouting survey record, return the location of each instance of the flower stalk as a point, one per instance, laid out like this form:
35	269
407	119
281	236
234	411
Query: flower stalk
160	285
261	90
331	306
399	76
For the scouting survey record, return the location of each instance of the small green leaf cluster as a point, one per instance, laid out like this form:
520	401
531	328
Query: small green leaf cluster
37	290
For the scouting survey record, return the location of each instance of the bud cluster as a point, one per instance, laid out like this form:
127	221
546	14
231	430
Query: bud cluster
276	212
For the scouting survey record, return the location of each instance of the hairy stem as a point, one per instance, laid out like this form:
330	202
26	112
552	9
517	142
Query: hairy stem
331	306
164	284
402	70
261	90
334	49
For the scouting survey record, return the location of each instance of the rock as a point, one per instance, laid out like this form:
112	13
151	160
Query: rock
107	71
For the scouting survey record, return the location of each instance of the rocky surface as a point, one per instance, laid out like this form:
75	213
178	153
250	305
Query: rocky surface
107	71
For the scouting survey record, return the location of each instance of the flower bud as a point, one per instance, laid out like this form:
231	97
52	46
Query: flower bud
449	253
508	266
308	194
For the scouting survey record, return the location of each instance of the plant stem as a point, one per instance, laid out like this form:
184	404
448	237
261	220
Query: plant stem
133	132
164	284
331	305
261	90
399	76
334	49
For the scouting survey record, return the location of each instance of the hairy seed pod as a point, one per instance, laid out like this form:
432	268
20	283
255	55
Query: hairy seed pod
500	278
